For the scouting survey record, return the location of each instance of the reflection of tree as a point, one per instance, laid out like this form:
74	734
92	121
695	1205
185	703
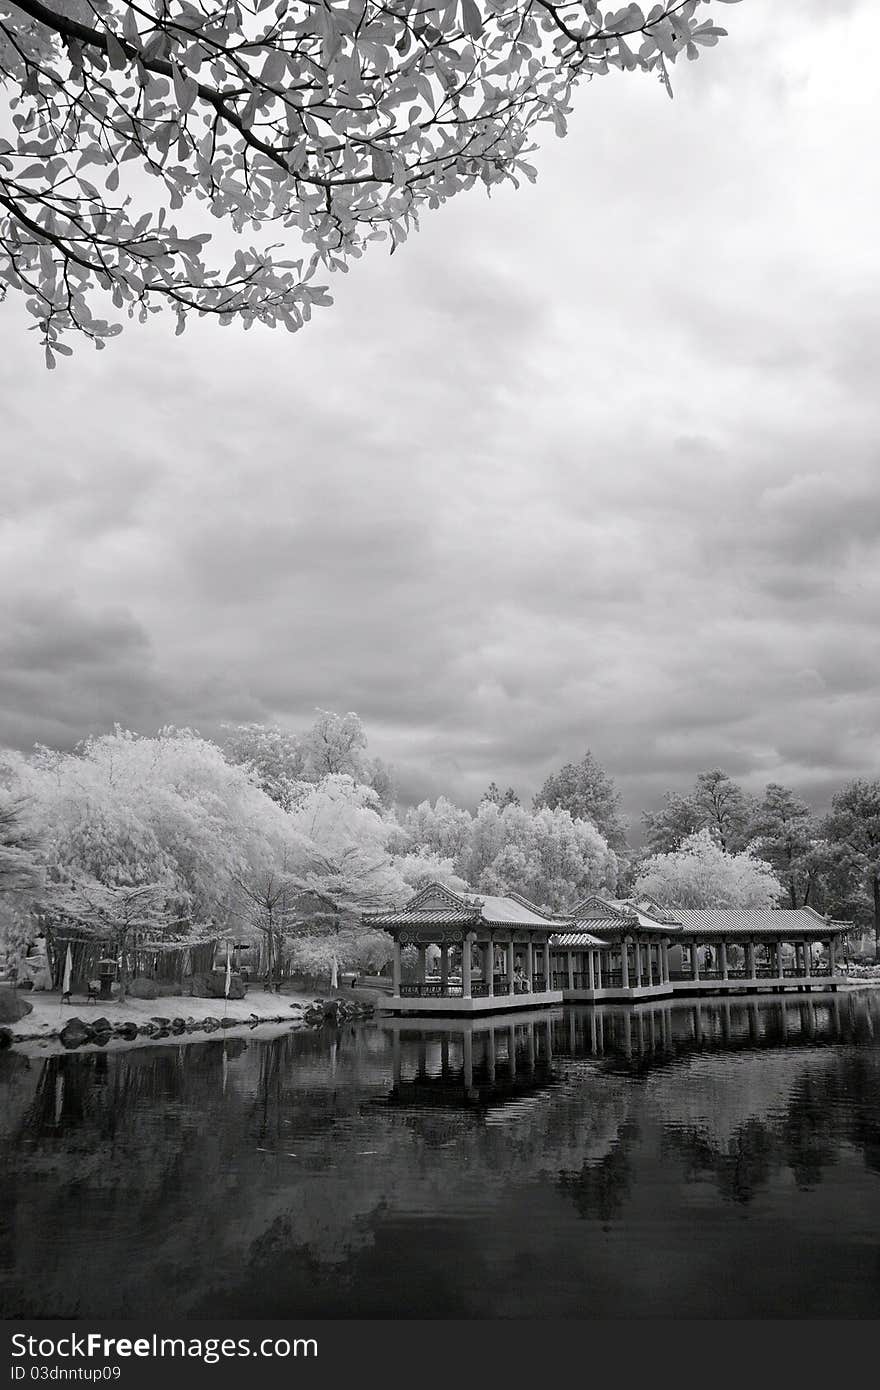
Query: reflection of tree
804	1138
600	1189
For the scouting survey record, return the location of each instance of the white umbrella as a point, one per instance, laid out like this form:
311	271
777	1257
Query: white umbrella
68	971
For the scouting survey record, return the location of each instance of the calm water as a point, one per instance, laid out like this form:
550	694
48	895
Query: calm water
669	1160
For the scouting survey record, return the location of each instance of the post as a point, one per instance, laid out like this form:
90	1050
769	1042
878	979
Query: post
569	965
591	979
664	962
597	956
638	963
722	956
510	960
530	965
548	982
624	962
695	963
466	966
444	968
808	967
831	961
395	969
420	967
750	960
489	968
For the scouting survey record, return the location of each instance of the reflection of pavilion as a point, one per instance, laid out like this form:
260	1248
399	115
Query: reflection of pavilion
500	953
470	1061
656	1031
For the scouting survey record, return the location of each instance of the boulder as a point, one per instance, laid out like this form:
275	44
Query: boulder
127	1030
75	1032
5	1038
142	988
178	1025
229	1022
162	1022
210	1024
12	1005
101	1025
211	984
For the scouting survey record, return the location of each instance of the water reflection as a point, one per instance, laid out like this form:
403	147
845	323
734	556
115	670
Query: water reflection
706	1158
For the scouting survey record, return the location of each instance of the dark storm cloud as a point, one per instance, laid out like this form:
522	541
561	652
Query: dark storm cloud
592	464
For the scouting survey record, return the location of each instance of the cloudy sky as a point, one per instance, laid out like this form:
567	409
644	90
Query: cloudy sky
590	464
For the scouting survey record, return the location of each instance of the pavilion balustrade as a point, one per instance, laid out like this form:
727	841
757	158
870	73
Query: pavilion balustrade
538	984
430	990
612	979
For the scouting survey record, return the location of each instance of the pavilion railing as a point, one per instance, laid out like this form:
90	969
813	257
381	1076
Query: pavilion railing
612	979
430	991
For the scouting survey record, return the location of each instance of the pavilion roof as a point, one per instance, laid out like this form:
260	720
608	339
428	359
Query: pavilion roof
578	939
767	921
437	905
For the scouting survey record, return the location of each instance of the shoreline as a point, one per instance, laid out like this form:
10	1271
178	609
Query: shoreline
173	1018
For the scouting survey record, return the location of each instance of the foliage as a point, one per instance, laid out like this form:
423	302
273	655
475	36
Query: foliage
702	874
716	803
424	866
588	793
494	793
343	846
124	916
337	122
546	855
275	756
282	761
852	833
783	832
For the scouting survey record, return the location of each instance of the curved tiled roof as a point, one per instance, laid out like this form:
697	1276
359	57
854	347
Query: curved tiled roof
577	938
767	921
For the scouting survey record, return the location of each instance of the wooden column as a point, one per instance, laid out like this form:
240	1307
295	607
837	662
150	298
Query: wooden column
530	964
597	958
638	963
444	967
831	949
510	966
750	960
722	956
695	962
807	965
664	963
420	965
395	969
548	979
624	962
591	973
569	966
466	966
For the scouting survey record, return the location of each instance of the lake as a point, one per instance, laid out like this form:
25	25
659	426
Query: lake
675	1159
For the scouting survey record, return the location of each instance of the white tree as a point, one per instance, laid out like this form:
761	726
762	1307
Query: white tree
701	874
334	123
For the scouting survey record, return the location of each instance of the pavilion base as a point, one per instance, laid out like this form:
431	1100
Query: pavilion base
757	984
437	1006
630	994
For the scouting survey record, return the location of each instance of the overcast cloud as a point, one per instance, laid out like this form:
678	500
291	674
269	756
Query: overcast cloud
589	464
